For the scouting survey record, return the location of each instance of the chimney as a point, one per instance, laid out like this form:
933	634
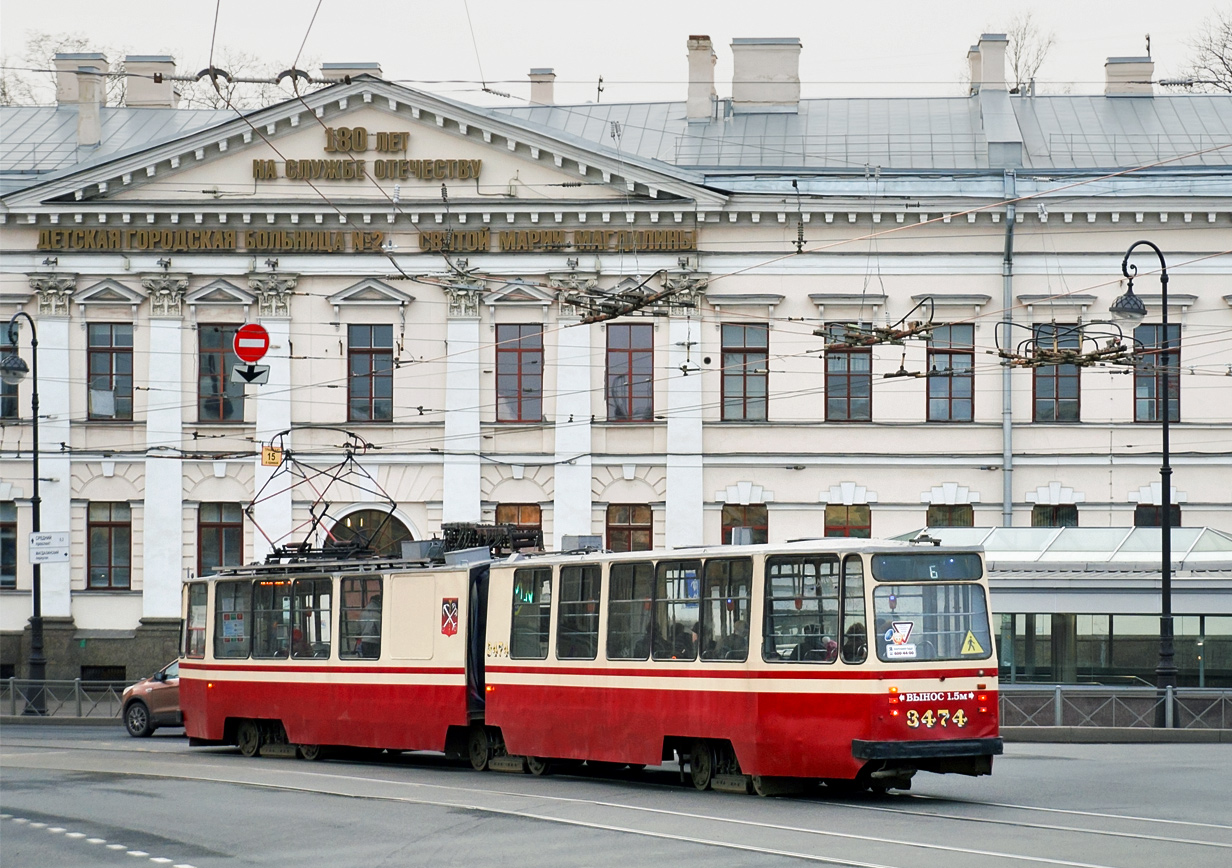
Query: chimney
340	71
149	81
1129	76
89	106
973	59
66	73
766	75
541	86
992	60
700	105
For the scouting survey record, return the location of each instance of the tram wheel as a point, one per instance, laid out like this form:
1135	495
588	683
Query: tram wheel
248	737
701	764
538	766
479	748
310	752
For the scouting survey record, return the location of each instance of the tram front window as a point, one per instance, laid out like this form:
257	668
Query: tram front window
931	622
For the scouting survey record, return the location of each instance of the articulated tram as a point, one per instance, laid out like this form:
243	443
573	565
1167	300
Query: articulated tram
758	667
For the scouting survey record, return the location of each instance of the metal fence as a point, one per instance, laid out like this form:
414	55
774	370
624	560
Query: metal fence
1081	705
74	698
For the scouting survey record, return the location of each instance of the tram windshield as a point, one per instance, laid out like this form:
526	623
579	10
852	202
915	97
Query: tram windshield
931	622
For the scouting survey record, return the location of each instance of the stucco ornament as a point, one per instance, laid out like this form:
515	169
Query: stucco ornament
54	292
273	293
166	293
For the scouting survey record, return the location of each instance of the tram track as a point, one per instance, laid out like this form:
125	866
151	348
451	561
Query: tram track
801	828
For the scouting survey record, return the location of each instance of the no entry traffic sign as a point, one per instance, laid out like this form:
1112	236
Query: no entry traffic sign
251	342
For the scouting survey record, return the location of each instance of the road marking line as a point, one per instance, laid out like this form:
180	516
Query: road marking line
56	829
75	835
137	853
96	840
117	846
1079	813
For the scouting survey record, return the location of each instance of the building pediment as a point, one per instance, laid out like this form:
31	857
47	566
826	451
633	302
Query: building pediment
219	292
519	293
370	292
109	292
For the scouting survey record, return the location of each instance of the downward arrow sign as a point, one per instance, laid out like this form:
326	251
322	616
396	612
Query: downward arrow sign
251	374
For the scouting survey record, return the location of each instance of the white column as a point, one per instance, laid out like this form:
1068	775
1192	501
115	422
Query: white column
571	504
684	526
55	467
163	541
272	513
462	494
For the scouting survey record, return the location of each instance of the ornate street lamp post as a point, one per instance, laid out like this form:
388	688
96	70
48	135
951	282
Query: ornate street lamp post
1130	309
13	370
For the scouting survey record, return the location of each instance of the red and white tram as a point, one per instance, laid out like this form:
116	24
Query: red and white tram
762	666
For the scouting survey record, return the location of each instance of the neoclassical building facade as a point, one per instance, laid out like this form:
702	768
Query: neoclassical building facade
652	323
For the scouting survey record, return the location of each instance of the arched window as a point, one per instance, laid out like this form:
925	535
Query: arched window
380	530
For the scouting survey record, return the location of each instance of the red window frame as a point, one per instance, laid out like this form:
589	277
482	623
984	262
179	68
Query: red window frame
1159	357
1152	515
630	527
951	377
109	367
370	373
746	377
1057	389
849	378
218	399
854	521
524	515
950	515
1054	515
225	522
116	571
519	373
753	515
629	376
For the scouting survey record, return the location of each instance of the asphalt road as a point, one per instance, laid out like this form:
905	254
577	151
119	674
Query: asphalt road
88	797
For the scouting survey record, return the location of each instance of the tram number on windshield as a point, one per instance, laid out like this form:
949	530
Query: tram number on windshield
940	717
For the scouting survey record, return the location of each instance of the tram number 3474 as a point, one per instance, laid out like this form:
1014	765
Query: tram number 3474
940	717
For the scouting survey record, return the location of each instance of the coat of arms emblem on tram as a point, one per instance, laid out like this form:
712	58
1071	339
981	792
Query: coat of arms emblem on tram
449	615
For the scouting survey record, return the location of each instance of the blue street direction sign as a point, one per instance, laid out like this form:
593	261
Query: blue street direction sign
253	375
49	547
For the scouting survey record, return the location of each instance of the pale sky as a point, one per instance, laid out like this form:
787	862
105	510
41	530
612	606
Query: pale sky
870	48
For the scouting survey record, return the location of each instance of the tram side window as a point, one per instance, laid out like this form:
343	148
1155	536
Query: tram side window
855	631
271	617
577	633
532	613
630	593
359	624
677	610
195	623
725	609
310	618
232	619
801	617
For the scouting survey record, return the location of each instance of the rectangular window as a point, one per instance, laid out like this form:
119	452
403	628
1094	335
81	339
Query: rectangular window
629	527
310	630
220	537
725	609
196	621
359	619
218	399
855	633
577	631
754	516
849	378
370	380
950	515
519	373
630	373
8	544
746	371
676	610
109	527
232	619
1060	515
629	595
931	622
801	616
855	521
271	618
110	362
1151	515
1158	356
8	391
532	614
1057	387
951	374
526	520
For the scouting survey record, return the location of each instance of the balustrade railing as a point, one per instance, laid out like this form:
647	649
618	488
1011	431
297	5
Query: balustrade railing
76	698
1083	705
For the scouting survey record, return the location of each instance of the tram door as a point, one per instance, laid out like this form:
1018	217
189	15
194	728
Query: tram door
477	612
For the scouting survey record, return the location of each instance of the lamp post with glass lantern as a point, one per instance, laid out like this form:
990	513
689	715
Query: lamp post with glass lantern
1131	310
13	370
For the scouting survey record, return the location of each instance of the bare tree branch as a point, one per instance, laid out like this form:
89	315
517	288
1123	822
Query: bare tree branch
1027	50
1211	58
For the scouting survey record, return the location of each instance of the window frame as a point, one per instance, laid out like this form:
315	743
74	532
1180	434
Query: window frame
744	365
848	526
362	346
8	545
818	650
539	609
761	529
512	350
196	620
640	574
675	642
224	392
241	612
1165	370
621	536
219	528
580	610
726	643
944	347
110	526
1054	514
1152	515
361	609
10	403
844	379
949	511
623	402
1052	377
312	622
113	376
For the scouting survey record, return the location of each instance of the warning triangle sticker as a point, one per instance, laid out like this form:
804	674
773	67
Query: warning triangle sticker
970	645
